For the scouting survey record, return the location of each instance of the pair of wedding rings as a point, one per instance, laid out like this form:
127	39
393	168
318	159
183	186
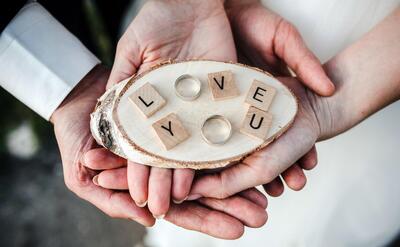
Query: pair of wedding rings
216	129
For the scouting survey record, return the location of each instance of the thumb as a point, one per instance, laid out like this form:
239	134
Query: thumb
126	62
290	47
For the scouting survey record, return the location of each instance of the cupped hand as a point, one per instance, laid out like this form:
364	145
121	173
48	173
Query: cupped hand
143	46
220	218
266	40
71	126
179	30
211	216
175	30
161	31
265	165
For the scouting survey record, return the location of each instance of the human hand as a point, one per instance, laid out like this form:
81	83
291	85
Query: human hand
312	121
211	216
71	126
220	218
266	40
161	31
170	29
356	78
206	36
176	30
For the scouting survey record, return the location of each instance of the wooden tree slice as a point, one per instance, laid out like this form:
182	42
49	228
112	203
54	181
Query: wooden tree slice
119	126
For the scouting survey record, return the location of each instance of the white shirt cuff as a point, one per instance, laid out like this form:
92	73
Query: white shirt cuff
40	60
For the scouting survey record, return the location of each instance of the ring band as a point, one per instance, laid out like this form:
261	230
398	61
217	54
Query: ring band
191	92
216	133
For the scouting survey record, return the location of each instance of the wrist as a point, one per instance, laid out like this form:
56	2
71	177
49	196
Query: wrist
93	83
338	112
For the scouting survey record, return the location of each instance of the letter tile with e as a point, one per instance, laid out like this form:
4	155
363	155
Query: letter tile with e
256	123
170	131
260	95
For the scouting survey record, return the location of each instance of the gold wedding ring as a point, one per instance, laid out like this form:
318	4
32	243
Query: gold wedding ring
187	87
216	130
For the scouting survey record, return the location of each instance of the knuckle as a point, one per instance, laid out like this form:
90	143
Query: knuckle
266	174
179	193
285	27
76	180
286	35
263	167
224	190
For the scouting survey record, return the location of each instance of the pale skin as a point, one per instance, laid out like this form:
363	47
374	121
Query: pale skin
367	78
223	218
191	29
364	85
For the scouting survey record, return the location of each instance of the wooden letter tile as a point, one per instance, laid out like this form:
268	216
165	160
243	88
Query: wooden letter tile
222	85
256	123
147	100
170	130
260	95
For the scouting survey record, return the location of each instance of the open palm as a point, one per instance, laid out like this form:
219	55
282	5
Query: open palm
176	30
166	30
181	30
266	164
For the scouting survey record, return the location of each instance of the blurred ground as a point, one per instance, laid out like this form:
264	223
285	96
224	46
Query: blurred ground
36	208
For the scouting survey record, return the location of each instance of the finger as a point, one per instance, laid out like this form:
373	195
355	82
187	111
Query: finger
194	216
294	177
138	179
259	168
159	191
102	159
181	182
255	196
290	47
115	204
249	213
274	188
309	160
120	205
126	62
114	179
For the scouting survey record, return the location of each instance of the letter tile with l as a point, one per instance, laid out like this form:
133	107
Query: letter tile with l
147	100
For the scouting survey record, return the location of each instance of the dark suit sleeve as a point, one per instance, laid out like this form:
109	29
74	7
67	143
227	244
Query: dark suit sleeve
8	9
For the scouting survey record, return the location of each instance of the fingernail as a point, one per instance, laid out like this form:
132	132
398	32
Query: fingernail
179	202
159	217
96	180
193	197
142	205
